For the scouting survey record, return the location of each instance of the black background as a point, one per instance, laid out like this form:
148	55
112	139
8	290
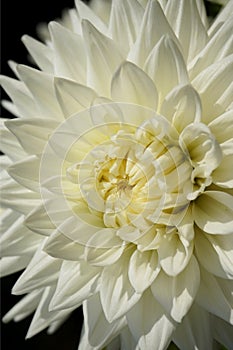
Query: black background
18	18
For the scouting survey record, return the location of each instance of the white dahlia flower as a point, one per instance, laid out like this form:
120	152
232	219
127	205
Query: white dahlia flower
117	176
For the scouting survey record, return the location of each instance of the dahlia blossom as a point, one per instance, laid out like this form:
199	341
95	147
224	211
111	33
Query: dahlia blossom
117	176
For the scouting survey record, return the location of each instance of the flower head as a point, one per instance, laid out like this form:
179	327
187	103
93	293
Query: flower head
117	175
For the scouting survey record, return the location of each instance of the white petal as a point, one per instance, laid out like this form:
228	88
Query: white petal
217	48
73	97
104	248
10	145
213	212
219	251
127	15
223	16
211	296
185	20
42	54
130	84
43	317
42	271
17	197
85	12
76	283
222	127
69	53
149	324
20	95
194	332
222	176
11	264
24	307
99	331
18	240
176	294
174	253
32	133
154	26
182	106
166	67
143	269
41	86
215	87
222	332
127	340
59	246
103	58
116	293
26	172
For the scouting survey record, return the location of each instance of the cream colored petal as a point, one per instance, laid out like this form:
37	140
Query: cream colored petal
222	176
186	22
77	282
103	58
166	67
194	332
43	317
116	293
104	248
24	307
7	217
182	106
176	294
85	12
212	298
222	332
42	54
222	127
127	15
21	96
149	323
219	261
99	331
69	53
73	97
41	271
61	247
32	133
204	151
9	144
18	240
11	264
217	48
143	269
154	25
74	226
10	107
174	253
213	211
223	16
127	340
215	87
130	84
44	218
26	172
17	197
41	86
102	9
